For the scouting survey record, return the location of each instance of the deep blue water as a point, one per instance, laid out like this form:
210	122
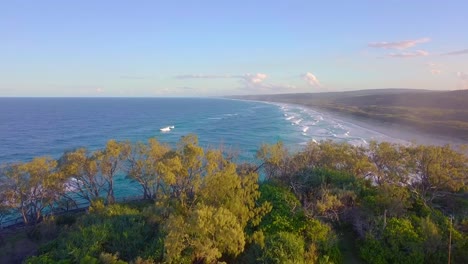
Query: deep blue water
31	127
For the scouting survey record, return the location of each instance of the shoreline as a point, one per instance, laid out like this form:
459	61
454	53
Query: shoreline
392	130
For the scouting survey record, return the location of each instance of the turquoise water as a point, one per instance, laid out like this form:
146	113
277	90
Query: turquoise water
32	127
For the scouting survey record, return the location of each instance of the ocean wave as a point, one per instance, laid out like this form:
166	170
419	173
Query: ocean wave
304	129
166	129
297	122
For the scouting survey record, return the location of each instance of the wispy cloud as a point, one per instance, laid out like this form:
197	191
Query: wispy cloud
205	76
249	78
249	81
434	68
311	79
133	77
463	77
458	52
435	71
411	54
254	78
99	90
398	44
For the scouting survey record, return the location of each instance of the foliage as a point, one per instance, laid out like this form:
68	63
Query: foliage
200	207
284	247
33	187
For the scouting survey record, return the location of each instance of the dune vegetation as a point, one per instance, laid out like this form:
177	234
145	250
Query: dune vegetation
327	203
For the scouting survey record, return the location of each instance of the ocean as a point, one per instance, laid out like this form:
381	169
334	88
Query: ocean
31	127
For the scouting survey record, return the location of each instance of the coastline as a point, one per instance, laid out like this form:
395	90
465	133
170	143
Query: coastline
393	130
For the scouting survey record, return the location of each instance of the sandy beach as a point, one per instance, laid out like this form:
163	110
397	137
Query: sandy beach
393	130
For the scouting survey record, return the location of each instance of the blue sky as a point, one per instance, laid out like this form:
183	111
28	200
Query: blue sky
210	48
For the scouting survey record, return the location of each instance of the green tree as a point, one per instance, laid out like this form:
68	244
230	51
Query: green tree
284	247
438	172
211	206
82	171
391	162
144	166
111	161
34	187
400	243
207	233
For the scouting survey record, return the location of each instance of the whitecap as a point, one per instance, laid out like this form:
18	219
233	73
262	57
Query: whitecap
166	129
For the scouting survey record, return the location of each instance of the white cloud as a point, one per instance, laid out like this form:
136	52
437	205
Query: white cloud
311	79
411	54
435	71
99	90
254	78
458	52
398	44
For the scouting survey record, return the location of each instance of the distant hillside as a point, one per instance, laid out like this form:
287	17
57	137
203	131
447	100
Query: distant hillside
437	112
439	100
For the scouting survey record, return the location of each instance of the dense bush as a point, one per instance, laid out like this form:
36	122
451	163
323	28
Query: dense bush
201	207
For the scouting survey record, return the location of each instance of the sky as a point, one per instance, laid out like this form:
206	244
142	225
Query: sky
213	48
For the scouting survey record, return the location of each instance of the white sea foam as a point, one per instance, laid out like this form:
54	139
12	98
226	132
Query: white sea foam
323	126
166	129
